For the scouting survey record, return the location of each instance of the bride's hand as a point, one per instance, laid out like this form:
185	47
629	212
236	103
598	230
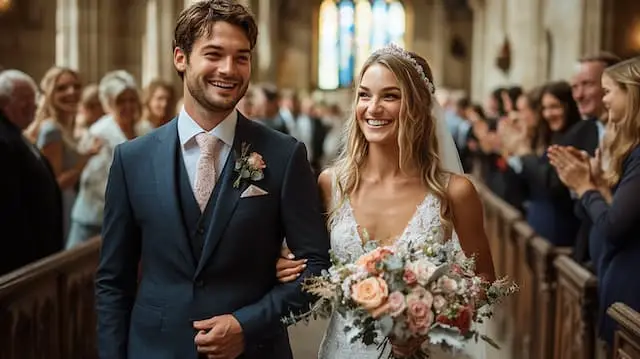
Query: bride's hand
287	268
408	348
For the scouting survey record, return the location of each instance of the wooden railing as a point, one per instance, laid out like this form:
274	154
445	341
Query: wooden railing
627	337
576	308
46	308
553	315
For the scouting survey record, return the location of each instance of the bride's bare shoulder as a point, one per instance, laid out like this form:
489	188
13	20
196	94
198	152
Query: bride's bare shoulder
325	182
461	190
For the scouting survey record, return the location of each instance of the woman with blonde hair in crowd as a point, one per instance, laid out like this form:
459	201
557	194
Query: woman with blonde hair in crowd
609	194
119	96
158	106
52	132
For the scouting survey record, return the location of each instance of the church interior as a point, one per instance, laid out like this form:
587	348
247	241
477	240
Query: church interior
311	52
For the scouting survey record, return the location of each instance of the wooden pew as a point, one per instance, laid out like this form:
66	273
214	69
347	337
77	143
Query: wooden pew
523	311
47	308
576	311
627	338
542	255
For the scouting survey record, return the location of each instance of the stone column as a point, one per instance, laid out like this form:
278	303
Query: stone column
157	58
266	48
440	34
67	29
592	24
478	49
83	30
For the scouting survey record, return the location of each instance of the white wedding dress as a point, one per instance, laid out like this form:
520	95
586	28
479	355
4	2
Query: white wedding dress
346	243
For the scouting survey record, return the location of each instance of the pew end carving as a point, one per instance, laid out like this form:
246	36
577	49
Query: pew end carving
627	337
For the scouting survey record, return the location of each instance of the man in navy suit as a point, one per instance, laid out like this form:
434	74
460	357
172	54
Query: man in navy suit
206	231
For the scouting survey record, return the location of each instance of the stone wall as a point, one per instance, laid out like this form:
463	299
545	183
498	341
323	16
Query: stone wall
461	43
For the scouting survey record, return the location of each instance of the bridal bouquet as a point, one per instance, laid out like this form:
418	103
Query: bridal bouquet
404	293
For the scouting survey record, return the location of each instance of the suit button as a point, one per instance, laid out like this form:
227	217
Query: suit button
200	283
200	231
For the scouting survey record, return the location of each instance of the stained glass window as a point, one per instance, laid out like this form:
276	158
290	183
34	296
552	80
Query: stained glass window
349	31
328	67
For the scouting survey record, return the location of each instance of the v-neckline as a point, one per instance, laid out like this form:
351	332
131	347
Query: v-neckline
406	228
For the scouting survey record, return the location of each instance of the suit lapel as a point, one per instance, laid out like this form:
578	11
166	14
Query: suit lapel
165	166
226	196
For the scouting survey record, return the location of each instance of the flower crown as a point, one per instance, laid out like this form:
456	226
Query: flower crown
396	50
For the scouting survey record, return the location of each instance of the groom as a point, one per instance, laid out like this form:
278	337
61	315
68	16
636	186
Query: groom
206	235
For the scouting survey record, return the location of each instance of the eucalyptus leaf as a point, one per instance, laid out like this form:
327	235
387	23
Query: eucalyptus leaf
257	175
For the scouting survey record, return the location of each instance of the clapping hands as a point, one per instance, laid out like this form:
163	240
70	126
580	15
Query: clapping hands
575	168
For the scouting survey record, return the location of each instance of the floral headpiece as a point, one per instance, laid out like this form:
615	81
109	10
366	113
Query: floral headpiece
396	50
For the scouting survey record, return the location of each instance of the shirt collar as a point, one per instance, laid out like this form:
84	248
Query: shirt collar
188	128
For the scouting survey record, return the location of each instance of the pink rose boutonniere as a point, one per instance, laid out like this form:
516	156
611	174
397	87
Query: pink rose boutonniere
249	165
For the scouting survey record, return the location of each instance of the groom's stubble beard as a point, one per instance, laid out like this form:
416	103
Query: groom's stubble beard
197	89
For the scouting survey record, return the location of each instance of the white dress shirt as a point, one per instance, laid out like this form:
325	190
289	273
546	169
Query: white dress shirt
187	131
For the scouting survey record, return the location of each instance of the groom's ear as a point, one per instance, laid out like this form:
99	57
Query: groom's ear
180	60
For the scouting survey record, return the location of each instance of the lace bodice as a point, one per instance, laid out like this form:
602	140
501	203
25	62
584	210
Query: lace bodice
346	243
345	239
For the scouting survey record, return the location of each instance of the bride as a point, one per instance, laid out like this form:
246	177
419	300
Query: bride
395	180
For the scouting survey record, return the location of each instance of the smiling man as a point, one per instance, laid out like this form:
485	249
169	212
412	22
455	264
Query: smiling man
206	235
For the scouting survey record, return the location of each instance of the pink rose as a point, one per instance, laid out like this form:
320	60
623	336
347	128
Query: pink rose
409	277
420	316
255	161
370	293
419	293
424	270
447	284
396	304
439	302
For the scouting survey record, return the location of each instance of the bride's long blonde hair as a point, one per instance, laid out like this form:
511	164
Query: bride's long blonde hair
417	139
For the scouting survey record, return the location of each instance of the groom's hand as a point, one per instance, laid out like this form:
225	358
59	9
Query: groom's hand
219	337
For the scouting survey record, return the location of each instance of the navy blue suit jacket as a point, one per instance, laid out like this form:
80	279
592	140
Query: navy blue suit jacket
236	272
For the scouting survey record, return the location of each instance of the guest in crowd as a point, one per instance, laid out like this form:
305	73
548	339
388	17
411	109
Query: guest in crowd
158	106
119	96
302	123
610	197
550	205
587	91
89	111
247	105
53	129
30	200
267	101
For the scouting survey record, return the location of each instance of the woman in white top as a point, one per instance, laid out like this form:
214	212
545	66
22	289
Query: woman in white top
119	96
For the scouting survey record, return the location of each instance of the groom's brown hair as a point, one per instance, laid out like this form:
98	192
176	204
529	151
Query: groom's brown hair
197	19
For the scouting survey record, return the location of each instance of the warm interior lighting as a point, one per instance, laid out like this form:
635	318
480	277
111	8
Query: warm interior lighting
635	35
5	5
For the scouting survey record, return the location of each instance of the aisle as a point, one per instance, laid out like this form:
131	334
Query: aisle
305	341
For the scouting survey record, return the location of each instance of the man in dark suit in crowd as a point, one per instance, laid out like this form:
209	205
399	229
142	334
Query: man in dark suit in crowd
587	91
30	202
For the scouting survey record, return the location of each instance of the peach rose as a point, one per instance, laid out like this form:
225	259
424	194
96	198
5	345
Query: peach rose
396	304
255	161
371	260
370	293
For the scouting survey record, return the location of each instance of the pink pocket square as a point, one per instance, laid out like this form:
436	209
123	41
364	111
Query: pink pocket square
253	191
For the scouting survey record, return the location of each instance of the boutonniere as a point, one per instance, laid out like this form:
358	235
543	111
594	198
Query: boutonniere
249	165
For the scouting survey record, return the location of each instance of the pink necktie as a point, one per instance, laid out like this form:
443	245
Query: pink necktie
206	170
